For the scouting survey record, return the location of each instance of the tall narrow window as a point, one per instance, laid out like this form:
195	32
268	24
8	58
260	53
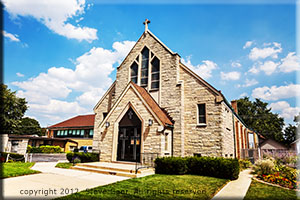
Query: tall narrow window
201	114
155	73
144	68
134	72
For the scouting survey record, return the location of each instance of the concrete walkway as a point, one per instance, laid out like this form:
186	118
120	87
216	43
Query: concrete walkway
53	182
236	189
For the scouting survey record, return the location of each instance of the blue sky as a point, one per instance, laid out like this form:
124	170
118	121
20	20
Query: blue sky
62	57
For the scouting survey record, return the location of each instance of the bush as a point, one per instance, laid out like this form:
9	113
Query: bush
226	168
170	165
264	167
12	156
44	149
83	157
244	164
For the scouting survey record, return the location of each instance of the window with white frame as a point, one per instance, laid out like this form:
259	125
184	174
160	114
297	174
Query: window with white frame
201	113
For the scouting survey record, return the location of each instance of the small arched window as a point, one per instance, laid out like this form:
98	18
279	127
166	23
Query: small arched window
155	73
144	69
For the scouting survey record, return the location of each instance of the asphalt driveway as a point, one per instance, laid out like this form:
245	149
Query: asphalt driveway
53	182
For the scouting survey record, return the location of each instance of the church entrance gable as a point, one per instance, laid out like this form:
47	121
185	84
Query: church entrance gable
129	137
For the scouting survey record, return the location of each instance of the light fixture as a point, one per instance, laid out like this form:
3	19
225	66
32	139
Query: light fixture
150	122
107	124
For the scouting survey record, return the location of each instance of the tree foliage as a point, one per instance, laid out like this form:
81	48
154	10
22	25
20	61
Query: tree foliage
290	132
12	110
29	126
259	117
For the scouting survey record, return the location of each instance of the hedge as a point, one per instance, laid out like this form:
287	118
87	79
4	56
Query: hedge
226	168
44	149
13	156
84	157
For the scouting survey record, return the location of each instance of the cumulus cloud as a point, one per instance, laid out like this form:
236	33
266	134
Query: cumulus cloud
286	111
268	67
203	70
290	63
248	83
275	93
89	80
244	94
230	75
269	51
236	64
19	74
247	44
55	14
11	37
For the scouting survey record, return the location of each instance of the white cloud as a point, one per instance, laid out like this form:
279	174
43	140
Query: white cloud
230	75
269	67
254	70
290	63
55	14
12	37
247	44
248	83
286	111
236	64
272	51
89	80
19	74
275	93
244	94
203	70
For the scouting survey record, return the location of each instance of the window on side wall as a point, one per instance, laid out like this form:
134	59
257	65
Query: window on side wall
201	114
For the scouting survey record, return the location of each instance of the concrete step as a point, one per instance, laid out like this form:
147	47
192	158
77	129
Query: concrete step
113	169
105	171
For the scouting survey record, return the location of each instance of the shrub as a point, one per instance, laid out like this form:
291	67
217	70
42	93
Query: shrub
264	167
205	166
244	164
44	149
12	156
83	157
170	165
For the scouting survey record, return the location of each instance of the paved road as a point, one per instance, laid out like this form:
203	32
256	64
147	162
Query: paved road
53	182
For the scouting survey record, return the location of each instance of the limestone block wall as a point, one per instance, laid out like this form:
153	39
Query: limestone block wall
105	106
150	138
203	139
227	132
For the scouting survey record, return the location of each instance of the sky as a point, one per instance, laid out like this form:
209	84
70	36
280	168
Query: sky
62	55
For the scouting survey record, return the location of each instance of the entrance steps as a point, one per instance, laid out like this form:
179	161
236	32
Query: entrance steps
115	168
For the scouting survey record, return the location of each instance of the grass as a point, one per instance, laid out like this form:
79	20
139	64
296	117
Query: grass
65	165
259	191
16	169
156	187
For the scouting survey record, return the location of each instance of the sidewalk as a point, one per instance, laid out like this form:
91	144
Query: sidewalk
53	182
236	189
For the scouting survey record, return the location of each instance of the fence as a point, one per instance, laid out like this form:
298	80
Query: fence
147	160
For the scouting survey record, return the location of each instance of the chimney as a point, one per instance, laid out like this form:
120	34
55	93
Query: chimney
234	106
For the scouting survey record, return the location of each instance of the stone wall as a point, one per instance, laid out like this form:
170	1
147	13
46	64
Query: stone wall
151	139
227	132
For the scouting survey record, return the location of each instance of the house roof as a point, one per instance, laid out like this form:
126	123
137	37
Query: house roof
165	119
78	121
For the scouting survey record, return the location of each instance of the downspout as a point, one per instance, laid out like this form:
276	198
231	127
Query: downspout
172	143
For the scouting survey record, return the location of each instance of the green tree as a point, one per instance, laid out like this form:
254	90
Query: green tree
12	110
259	117
29	126
290	132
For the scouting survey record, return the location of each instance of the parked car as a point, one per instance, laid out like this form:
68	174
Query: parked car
85	149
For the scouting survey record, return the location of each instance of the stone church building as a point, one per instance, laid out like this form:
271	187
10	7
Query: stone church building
159	105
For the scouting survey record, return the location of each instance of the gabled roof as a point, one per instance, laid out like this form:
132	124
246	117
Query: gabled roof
153	105
78	121
149	102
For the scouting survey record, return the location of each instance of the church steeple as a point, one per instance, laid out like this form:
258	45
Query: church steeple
146	22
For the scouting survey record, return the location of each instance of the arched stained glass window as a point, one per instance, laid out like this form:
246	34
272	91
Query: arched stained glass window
134	72
155	73
145	66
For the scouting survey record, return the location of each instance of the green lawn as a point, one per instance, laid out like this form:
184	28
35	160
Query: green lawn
16	169
65	165
156	187
259	191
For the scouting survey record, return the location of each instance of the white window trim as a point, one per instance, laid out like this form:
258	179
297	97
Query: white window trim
205	107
